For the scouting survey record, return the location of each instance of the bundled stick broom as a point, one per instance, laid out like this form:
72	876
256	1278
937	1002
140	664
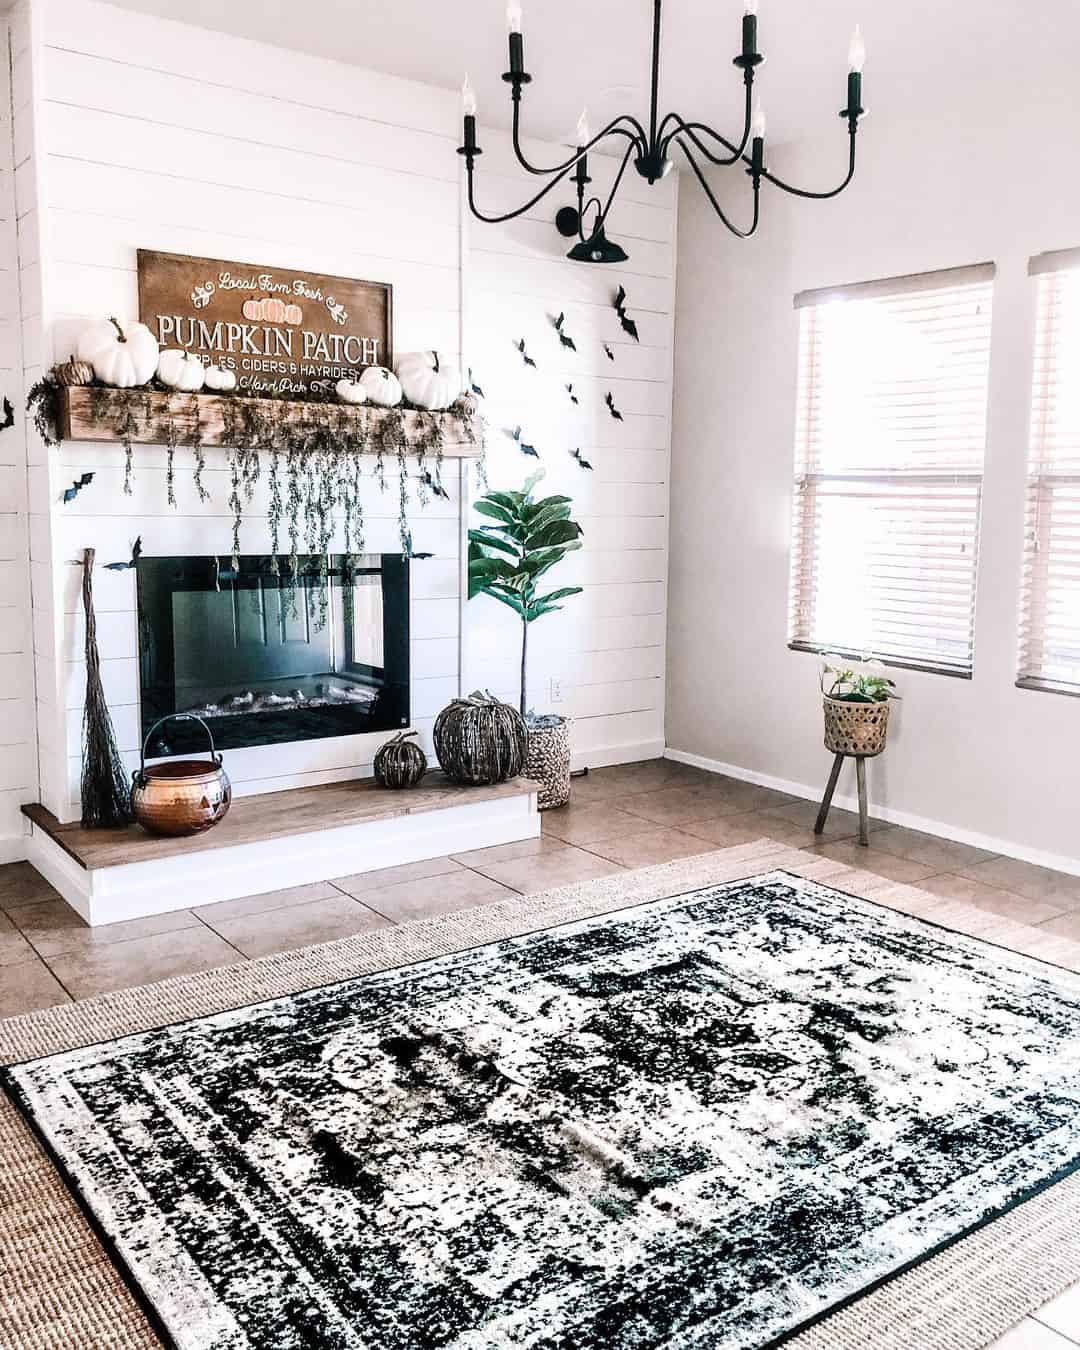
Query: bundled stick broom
106	794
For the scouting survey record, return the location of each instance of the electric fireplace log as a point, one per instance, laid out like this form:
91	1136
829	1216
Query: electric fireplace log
95	414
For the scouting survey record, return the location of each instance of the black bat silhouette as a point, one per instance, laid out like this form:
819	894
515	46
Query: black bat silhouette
564	338
576	454
523	446
520	345
9	415
609	399
570	391
629	326
608	352
414	556
474	386
136	554
73	491
434	484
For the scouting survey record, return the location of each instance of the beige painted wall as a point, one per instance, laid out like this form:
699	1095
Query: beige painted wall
968	758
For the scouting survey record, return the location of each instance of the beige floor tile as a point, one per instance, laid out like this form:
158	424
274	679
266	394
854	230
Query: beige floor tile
852	854
122	965
282	930
53	927
650	847
944	854
681	805
579	824
428	897
361	883
1062	1314
1065	925
1037	883
1032	1335
21	884
268	900
13	946
644	776
726	831
991	898
542	872
841	824
522	848
28	986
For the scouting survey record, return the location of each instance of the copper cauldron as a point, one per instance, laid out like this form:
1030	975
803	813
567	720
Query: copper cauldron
182	796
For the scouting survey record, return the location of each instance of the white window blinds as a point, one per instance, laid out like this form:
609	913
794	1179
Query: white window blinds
1050	605
890	437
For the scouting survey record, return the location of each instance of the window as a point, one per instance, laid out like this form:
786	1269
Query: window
1050	608
889	443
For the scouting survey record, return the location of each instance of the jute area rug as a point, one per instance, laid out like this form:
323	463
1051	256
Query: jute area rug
59	1288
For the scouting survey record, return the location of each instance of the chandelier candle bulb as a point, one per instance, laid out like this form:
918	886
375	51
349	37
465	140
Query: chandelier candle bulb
583	129
468	98
516	74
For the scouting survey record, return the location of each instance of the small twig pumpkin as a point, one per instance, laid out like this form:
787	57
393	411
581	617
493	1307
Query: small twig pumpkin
479	740
400	763
73	372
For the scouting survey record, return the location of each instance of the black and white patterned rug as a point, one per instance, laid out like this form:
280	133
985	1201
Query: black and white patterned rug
704	1121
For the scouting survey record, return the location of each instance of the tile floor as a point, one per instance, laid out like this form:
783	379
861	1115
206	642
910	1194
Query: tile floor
628	816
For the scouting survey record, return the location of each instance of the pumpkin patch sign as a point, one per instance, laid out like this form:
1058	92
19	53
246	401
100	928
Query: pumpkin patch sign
276	329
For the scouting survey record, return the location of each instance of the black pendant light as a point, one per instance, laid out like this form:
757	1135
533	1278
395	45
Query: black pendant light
649	150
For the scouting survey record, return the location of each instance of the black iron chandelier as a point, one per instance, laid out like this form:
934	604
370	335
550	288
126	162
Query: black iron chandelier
650	149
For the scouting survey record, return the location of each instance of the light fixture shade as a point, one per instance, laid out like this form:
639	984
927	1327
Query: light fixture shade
598	248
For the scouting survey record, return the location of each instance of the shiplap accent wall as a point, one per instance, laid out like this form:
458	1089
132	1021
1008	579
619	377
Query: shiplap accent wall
18	756
149	133
605	652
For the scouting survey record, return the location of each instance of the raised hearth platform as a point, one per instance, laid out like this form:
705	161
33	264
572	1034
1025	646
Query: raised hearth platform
274	840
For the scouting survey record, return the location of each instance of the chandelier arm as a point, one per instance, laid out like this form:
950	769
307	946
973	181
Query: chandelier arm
692	128
510	215
614	188
817	196
613	128
742	234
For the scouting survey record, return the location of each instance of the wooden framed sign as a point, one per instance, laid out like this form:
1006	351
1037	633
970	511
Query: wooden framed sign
279	330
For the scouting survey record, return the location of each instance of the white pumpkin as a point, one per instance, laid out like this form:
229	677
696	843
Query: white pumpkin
381	386
427	381
220	380
121	356
180	370
350	391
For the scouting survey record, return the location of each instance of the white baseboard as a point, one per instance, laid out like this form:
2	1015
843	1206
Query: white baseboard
628	752
1058	862
12	848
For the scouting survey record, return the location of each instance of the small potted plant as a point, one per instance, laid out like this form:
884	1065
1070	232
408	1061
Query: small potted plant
525	538
856	704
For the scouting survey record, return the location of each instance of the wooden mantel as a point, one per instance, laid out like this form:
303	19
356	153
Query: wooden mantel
200	419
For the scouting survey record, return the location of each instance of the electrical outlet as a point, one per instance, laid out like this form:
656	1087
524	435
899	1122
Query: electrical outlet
556	691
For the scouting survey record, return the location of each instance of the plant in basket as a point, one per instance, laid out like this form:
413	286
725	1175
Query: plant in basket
856	705
523	538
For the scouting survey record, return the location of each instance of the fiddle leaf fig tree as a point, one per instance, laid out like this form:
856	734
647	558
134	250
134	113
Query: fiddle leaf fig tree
526	537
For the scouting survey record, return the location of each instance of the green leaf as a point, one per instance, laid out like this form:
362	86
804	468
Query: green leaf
510	500
481	539
533	509
557	532
558	595
538	611
489	508
544	518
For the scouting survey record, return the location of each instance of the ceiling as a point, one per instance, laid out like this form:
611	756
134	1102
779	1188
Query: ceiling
959	60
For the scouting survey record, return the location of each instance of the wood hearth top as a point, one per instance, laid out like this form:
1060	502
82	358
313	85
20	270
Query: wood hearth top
271	815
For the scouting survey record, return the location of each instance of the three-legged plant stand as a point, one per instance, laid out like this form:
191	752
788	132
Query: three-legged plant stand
830	788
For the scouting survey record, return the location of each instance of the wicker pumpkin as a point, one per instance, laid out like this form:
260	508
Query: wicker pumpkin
73	372
479	740
400	763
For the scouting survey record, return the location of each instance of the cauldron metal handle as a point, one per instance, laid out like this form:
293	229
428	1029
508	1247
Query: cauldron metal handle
138	778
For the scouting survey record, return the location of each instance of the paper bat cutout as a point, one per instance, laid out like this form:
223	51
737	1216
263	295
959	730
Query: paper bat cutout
629	326
415	556
564	338
570	391
434	485
576	454
520	345
608	352
474	386
73	491
523	446
136	554
9	415
609	399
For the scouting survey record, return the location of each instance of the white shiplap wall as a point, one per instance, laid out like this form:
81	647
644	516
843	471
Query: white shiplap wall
18	758
606	650
148	133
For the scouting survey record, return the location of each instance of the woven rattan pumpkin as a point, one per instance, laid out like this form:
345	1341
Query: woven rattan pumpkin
400	763
73	372
479	740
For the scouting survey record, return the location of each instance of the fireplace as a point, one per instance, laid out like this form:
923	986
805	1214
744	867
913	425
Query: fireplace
266	657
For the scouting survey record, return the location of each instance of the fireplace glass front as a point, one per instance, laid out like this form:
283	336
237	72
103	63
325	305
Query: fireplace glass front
266	659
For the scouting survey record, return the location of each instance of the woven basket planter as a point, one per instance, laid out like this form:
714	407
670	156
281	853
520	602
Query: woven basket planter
855	728
479	740
548	760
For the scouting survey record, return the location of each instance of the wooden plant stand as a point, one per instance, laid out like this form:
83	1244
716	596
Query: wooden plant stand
830	788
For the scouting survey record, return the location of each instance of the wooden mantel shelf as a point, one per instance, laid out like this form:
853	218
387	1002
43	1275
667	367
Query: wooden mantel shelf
201	419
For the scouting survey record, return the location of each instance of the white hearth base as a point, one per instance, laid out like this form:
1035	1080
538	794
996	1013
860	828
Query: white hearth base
111	894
